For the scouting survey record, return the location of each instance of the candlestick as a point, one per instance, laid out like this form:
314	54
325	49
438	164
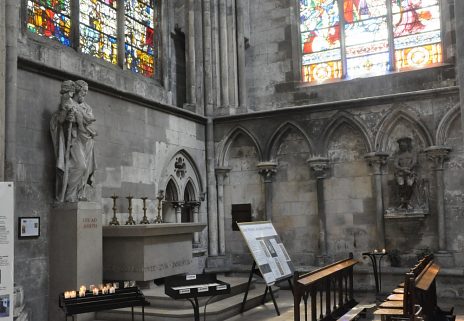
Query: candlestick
114	221
145	218
130	220
159	197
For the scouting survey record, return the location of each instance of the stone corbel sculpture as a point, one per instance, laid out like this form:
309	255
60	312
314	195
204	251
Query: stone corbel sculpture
73	143
405	163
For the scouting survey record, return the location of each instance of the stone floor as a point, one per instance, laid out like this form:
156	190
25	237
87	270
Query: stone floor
285	302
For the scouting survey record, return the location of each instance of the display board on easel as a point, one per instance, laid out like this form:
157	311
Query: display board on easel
6	251
268	251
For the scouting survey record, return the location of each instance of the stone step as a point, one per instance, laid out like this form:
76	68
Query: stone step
215	311
158	298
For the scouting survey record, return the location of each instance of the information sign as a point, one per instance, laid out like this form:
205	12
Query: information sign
268	251
6	250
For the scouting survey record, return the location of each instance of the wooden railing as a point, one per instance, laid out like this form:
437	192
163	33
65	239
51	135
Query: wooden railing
332	284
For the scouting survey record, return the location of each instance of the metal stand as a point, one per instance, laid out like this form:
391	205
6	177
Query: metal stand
376	259
256	271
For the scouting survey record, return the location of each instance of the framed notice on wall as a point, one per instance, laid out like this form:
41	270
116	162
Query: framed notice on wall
268	251
6	251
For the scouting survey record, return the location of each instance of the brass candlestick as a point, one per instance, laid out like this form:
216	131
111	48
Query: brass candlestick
114	221
159	197
145	218
130	220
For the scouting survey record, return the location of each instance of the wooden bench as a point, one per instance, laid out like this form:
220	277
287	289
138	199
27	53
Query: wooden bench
334	286
419	290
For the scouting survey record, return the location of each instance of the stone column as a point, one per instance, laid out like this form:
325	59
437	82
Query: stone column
320	167
190	55
242	92
377	160
267	171
178	208
224	53
221	174
458	14
196	219
438	155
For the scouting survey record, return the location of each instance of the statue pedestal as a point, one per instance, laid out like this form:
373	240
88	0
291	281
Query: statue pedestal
75	251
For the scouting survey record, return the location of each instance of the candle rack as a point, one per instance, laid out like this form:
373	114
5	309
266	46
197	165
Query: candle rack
114	221
145	218
130	220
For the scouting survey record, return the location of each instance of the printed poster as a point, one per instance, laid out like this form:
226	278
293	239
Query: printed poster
6	251
268	251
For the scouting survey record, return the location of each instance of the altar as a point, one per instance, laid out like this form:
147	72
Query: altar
147	252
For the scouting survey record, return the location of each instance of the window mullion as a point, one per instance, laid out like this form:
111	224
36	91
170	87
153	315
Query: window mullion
75	25
341	12
391	38
157	40
121	21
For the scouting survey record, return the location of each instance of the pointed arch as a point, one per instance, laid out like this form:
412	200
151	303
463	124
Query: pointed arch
190	191
172	190
230	138
273	144
192	174
350	120
391	120
445	124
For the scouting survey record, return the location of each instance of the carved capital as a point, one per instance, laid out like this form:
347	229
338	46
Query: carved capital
320	166
438	155
177	205
221	174
267	170
376	160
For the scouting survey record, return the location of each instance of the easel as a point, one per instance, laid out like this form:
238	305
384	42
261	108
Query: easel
255	270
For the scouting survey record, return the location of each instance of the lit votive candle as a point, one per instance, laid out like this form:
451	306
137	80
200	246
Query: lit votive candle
375	251
95	291
73	294
66	294
383	251
112	290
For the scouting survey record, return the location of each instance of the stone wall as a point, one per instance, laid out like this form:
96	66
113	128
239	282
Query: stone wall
345	132
133	146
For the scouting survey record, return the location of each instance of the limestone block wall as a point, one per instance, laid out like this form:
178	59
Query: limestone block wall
345	133
133	147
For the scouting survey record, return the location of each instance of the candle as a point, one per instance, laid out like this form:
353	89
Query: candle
72	294
66	294
375	251
383	251
95	291
116	285
81	293
112	289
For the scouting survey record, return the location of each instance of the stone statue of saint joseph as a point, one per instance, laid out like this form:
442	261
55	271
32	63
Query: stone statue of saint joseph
73	143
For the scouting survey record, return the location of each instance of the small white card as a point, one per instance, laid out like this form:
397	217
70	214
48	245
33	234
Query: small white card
184	291
221	287
203	289
191	277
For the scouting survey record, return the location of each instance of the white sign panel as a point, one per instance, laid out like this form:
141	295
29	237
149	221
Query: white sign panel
6	250
268	251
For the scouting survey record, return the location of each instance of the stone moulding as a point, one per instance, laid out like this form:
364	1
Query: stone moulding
399	214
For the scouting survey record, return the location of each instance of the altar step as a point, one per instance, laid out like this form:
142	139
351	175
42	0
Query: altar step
163	308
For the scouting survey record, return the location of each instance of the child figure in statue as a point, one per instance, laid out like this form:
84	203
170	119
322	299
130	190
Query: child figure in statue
405	174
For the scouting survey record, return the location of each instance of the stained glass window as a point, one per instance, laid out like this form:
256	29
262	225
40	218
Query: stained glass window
358	38
139	36
50	18
416	26
98	29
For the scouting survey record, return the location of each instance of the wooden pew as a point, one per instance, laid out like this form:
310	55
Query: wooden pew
419	290
334	286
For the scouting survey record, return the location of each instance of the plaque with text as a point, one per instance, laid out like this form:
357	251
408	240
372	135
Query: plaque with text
267	249
6	251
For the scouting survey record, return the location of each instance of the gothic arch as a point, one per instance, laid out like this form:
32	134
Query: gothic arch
273	144
182	174
445	123
340	119
229	140
172	191
191	191
389	123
